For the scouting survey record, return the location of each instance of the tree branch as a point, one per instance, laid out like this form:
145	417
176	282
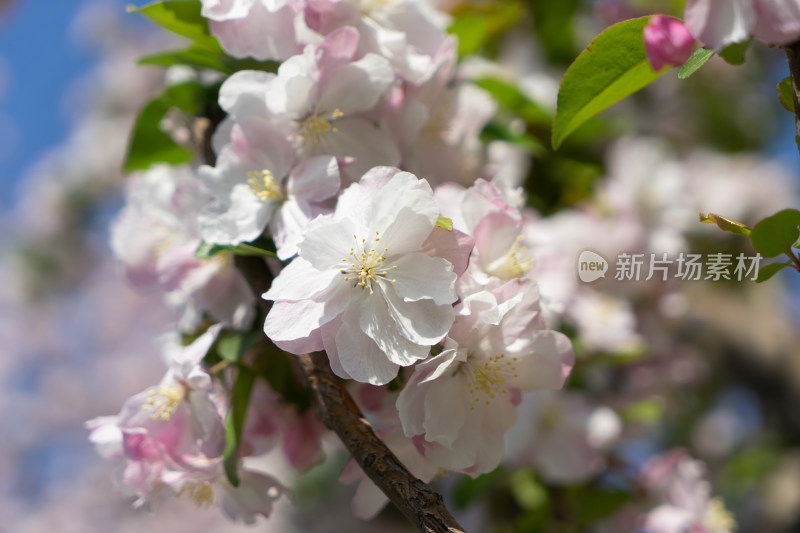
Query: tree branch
414	498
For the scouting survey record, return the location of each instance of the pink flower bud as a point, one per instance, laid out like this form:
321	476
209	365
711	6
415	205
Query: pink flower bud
666	42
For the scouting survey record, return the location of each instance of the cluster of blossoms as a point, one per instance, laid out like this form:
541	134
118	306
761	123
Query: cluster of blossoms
360	159
405	252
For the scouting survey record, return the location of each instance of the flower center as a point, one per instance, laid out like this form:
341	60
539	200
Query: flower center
488	378
163	403
366	267
202	494
514	264
717	518
264	185
315	128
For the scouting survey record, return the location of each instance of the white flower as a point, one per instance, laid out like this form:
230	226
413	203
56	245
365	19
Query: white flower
464	400
361	287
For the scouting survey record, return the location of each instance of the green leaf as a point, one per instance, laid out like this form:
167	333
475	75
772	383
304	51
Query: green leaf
595	505
257	248
775	235
494	131
149	144
553	24
198	57
240	397
698	58
445	223
726	224
467	489
527	491
232	345
767	271
472	32
193	57
785	94
276	367
734	53
511	98
646	411
612	67
477	26
182	18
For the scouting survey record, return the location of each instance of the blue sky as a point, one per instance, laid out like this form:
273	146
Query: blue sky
39	59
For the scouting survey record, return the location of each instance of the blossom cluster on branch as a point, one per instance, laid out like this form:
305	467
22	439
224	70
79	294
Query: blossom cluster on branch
380	179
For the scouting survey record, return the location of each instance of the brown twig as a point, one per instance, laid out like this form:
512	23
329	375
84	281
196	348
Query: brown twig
415	499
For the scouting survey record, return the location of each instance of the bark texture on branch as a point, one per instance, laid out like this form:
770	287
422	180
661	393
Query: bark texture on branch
415	499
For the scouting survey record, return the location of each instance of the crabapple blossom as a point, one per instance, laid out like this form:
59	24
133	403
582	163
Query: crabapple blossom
257	183
566	436
170	438
680	483
410	34
168	427
155	237
460	403
666	42
320	98
262	29
718	23
362	287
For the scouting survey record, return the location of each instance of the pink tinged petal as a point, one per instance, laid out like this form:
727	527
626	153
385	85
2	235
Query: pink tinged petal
454	246
495	235
778	21
329	332
243	94
670	519
355	202
718	23
295	326
176	264
337	49
263	34
411	400
288	227
419	276
404	192
374	320
360	357
314	180
226	9
368	500
405	233
243	220
327	243
447	407
206	424
255	495
189	357
301	443
106	436
360	139
356	87
666	42
422	322
543	362
291	94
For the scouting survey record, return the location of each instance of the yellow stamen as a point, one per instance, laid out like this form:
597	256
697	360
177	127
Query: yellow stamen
265	186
